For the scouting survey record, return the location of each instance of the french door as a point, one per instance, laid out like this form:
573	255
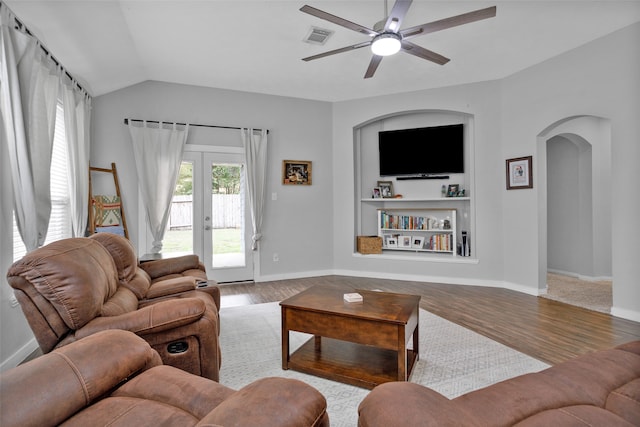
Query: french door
215	224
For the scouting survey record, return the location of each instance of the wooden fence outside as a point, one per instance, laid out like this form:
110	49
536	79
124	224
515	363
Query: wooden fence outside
226	212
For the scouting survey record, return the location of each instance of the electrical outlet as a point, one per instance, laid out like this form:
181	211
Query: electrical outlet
276	257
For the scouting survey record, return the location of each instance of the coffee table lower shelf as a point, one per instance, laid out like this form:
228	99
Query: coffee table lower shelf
349	363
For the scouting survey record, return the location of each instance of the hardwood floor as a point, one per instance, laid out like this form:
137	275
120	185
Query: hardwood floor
547	330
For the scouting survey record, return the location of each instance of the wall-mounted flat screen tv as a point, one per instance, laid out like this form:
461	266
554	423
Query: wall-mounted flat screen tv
422	151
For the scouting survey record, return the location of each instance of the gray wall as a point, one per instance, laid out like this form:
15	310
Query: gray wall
296	224
512	118
569	218
582	82
478	101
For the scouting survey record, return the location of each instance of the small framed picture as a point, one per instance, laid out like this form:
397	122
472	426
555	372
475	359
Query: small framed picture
405	241
296	172
377	194
453	189
417	242
391	242
386	188
519	173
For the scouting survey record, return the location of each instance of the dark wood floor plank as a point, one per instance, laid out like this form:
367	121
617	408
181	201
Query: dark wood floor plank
547	330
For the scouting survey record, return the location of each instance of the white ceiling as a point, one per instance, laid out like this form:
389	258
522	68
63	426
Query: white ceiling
257	46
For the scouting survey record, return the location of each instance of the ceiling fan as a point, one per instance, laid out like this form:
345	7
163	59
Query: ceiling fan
387	38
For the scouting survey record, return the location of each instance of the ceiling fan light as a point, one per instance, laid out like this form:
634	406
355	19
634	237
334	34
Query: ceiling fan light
385	44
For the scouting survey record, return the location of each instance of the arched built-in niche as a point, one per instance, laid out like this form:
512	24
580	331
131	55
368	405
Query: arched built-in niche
366	171
575	151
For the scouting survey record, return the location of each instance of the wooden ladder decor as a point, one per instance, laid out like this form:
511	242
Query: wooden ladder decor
114	173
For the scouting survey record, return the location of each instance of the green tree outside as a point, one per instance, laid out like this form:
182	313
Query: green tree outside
225	179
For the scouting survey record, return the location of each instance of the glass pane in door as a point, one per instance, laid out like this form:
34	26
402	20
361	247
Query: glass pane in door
179	235
227	216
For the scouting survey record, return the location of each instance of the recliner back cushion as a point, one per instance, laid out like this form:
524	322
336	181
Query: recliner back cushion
123	301
126	260
76	276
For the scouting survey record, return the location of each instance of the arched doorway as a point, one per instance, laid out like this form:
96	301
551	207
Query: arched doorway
575	226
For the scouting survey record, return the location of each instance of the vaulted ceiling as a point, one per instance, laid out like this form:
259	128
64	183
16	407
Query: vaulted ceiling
257	46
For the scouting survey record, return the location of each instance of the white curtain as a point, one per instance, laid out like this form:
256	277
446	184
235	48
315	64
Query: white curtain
158	154
77	115
255	152
28	95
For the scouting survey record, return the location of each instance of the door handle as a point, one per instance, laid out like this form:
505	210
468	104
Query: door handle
207	227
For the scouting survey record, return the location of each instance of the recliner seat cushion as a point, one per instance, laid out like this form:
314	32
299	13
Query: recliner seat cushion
625	401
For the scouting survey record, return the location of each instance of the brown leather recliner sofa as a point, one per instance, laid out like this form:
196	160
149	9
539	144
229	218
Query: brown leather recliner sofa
115	378
75	287
598	389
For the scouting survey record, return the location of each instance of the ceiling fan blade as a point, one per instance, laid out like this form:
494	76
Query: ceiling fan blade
373	66
454	21
423	53
337	20
394	21
333	52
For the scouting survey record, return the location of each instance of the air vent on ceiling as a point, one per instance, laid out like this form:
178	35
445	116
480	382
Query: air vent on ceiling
317	35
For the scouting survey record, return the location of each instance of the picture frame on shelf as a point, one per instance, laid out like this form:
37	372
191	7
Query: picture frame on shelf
390	242
296	172
519	173
377	193
452	190
386	189
405	241
417	242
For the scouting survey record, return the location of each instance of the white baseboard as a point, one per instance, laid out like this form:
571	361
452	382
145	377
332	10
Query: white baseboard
626	314
523	289
16	358
580	276
418	278
615	311
404	277
295	275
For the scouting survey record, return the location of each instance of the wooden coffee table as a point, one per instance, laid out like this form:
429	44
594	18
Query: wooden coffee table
362	344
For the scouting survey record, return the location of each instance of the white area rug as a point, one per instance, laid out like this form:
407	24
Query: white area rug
453	360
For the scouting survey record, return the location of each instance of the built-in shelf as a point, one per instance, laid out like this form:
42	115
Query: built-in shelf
418	230
413	199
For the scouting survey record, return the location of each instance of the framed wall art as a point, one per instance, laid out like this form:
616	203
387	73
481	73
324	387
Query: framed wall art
519	173
296	172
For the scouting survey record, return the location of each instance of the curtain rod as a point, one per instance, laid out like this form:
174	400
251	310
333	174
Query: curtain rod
21	27
126	122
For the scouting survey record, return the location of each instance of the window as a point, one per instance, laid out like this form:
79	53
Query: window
60	221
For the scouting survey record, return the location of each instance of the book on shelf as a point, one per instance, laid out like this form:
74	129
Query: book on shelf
407	222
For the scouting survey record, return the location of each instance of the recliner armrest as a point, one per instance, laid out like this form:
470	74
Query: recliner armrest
171	287
411	405
158	317
271	402
164	267
51	388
